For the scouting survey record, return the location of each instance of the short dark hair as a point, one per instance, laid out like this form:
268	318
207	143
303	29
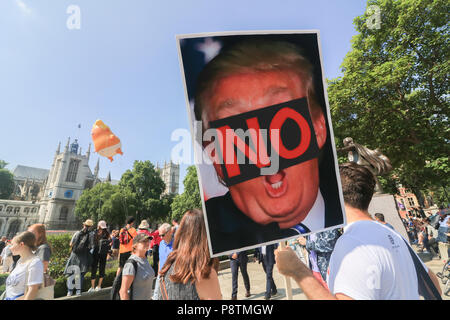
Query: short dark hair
379	216
130	220
255	55
358	185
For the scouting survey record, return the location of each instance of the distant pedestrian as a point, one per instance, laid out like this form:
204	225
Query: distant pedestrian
379	217
126	236
100	246
239	260
320	246
137	283
154	246
144	228
7	259
2	246
166	232
80	259
189	273
175	223
442	237
267	258
115	244
43	251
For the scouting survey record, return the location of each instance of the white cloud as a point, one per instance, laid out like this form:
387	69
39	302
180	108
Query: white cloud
23	7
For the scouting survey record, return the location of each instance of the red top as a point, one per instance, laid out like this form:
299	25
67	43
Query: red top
156	238
145	231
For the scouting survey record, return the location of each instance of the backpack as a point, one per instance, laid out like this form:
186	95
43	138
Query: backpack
82	243
114	295
125	237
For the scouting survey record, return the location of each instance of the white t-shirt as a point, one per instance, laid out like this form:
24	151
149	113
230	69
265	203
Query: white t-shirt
372	262
15	283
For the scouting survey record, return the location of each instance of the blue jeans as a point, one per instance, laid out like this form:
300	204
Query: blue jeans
270	284
235	264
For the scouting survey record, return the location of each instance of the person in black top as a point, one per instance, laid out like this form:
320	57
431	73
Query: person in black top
100	246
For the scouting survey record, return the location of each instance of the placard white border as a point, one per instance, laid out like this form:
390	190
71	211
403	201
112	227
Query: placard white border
191	123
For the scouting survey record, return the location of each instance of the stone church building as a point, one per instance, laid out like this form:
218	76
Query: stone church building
49	196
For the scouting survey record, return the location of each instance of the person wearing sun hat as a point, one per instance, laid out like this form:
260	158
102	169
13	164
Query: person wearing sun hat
100	246
144	229
79	256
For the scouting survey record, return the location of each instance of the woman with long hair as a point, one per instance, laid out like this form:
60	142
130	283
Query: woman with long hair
100	246
24	281
43	251
189	273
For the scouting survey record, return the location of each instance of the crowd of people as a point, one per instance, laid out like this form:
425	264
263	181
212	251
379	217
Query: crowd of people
333	264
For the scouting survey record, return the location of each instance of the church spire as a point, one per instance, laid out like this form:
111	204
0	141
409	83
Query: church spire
66	149
108	178
58	150
88	153
97	168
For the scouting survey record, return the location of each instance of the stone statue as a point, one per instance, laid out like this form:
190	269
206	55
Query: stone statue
374	160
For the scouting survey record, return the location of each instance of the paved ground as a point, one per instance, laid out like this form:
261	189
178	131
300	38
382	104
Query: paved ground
258	283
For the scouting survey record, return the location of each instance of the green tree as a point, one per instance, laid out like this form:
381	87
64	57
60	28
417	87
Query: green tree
3	164
6	183
393	94
146	185
91	203
190	198
120	205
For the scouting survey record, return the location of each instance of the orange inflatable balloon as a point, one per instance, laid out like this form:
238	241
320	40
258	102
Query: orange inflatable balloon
106	143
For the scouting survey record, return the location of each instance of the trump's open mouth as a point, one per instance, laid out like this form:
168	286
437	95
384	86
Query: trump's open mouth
276	184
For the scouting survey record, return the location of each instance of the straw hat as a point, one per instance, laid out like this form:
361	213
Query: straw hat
144	225
88	223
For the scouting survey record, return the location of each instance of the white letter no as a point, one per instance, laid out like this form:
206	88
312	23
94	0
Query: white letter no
74	21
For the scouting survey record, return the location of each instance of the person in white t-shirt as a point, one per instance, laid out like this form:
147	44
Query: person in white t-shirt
24	281
369	262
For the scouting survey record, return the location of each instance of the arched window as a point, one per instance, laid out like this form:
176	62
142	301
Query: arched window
73	169
13	229
26	210
8	210
16	210
34	210
63	213
1	208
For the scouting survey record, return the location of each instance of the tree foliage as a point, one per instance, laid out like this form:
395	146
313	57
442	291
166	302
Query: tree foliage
393	94
190	198
137	194
3	164
6	183
145	185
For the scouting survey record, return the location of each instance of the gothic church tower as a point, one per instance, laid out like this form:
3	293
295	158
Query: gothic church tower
68	177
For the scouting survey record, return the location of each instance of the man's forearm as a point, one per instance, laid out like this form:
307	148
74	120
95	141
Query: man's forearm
313	289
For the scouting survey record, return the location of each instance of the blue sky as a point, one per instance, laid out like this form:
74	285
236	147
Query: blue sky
122	66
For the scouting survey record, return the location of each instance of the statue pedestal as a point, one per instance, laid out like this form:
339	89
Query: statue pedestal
385	204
